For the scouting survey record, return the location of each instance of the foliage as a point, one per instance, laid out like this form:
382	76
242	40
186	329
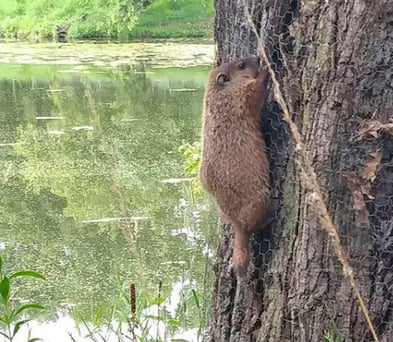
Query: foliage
102	18
154	318
191	160
192	157
333	334
333	337
181	18
10	314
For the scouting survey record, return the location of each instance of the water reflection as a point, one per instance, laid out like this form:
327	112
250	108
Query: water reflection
84	158
77	56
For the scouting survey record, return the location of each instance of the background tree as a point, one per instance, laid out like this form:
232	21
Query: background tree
333	61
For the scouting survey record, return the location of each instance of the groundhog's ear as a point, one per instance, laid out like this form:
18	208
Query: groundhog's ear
222	78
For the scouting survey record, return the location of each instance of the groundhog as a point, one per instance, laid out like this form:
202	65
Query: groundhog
234	166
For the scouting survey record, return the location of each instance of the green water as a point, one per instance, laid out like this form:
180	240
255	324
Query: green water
86	148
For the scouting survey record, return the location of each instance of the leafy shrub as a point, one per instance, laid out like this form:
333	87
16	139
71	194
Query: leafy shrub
10	312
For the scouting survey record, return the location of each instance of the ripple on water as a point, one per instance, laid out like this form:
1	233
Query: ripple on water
157	54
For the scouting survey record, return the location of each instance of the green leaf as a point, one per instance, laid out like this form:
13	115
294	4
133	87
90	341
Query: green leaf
5	289
174	322
1	264
158	300
6	336
194	294
156	318
7	319
18	326
34	339
27	274
26	307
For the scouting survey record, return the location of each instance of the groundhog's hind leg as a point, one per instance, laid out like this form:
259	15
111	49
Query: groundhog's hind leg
241	251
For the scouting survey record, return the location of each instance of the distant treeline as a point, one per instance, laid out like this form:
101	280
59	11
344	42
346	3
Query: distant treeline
116	19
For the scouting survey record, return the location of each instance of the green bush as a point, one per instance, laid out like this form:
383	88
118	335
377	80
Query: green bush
106	18
10	312
101	18
191	154
175	18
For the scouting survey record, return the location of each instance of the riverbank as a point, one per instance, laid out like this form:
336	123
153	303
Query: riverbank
120	19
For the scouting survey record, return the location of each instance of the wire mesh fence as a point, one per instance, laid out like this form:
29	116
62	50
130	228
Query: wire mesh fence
322	268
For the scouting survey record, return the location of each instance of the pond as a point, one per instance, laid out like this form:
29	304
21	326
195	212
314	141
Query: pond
93	189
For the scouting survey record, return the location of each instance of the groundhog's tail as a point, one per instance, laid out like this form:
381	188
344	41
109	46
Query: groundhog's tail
241	252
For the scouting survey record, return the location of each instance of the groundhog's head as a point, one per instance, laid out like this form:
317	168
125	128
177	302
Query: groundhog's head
235	73
243	77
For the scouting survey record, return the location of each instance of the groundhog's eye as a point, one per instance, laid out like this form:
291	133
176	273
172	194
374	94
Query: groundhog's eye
241	65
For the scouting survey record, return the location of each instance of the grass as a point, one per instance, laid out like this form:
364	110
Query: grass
115	19
33	19
127	320
170	19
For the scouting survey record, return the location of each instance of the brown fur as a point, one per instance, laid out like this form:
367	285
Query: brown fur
234	167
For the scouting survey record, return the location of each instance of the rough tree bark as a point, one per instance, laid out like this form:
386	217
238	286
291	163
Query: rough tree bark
334	62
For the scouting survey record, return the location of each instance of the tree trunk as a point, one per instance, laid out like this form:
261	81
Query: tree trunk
334	62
